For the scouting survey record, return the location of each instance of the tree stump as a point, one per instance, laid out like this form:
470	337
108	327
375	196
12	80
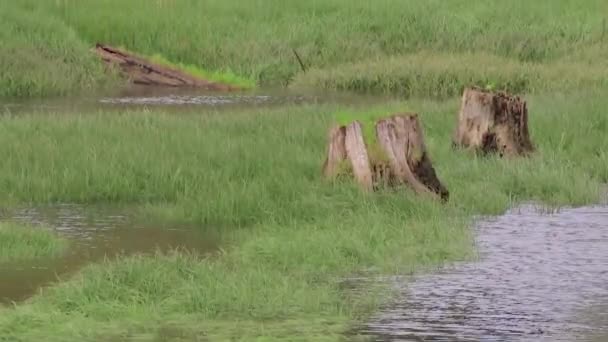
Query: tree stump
403	160
493	123
346	143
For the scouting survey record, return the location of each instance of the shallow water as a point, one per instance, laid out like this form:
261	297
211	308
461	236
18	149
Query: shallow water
170	98
94	233
539	277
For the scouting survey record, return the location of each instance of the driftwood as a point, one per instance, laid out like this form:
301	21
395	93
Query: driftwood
142	71
493	123
404	158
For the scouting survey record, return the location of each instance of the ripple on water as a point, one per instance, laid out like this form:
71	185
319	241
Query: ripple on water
210	100
539	277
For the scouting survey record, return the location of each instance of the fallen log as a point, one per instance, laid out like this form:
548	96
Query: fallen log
493	123
142	71
402	156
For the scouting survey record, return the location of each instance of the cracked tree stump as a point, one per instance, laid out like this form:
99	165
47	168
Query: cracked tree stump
493	123
142	71
403	156
346	144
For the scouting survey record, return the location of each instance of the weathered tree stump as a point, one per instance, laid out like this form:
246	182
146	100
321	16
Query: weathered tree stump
346	143
141	71
493	123
403	160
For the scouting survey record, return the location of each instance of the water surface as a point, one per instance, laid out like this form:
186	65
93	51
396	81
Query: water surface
539	277
94	233
186	99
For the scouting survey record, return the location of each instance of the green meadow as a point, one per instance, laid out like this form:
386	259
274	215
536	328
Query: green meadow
406	47
290	239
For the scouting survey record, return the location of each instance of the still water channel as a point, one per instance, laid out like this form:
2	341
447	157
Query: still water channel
139	97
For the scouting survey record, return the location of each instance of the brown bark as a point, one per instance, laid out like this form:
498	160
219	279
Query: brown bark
493	123
402	140
142	71
405	159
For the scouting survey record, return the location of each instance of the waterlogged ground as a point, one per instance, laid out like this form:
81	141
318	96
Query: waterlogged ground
94	234
540	277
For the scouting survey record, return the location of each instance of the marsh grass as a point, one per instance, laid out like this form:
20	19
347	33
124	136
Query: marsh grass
40	55
22	242
406	47
437	75
255	176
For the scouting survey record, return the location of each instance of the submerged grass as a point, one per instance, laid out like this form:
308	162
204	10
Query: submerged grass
256	176
20	242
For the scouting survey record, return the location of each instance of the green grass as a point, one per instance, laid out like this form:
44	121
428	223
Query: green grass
40	55
19	242
438	75
226	76
380	46
291	237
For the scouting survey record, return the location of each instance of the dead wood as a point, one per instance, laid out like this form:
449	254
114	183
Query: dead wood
493	123
336	151
142	71
346	145
402	141
405	159
356	152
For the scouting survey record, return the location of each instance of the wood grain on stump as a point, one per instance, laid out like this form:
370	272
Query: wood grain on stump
402	140
336	151
346	144
142	71
405	159
493	123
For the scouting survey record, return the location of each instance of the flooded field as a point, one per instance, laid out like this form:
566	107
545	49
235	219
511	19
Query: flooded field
539	277
94	234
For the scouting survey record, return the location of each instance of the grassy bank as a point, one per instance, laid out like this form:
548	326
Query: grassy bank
40	55
255	176
440	75
348	44
19	242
